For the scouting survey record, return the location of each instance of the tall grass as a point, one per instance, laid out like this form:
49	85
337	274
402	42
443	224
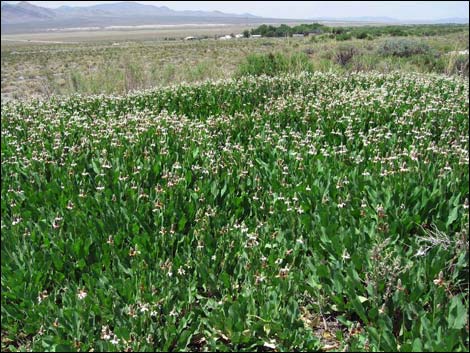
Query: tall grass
274	63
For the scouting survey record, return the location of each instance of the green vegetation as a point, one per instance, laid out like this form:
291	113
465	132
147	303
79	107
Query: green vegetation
275	64
290	213
409	30
359	32
287	31
403	47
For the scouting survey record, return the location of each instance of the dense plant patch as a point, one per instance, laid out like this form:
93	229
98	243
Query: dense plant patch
298	212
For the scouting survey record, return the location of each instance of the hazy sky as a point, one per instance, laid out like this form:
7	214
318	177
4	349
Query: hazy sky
404	10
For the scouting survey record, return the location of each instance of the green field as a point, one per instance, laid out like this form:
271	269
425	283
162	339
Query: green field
295	212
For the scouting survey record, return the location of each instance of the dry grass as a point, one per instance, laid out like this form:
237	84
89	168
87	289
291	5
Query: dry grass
143	59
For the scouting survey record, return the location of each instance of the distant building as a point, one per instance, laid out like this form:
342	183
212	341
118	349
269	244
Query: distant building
458	52
255	36
239	36
190	38
226	37
298	35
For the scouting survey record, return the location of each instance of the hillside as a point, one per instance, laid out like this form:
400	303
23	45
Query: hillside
27	17
25	12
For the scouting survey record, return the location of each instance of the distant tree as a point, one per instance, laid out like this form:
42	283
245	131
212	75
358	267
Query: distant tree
338	30
361	35
283	31
246	33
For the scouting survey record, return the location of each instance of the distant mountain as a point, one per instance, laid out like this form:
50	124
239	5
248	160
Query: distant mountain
390	20
129	8
25	12
78	12
97	14
119	9
357	19
460	20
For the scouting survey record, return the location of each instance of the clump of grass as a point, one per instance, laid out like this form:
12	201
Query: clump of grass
199	72
403	47
457	65
344	54
274	63
134	77
344	36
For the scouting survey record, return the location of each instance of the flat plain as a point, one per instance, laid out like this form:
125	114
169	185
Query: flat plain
119	61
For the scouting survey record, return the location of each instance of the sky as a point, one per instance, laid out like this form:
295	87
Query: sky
402	10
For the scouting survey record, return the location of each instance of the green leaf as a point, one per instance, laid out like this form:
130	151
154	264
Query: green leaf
214	189
135	229
58	263
188	177
417	345
182	223
457	317
222	192
362	299
452	216
95	167
62	348
81	264
225	278
359	309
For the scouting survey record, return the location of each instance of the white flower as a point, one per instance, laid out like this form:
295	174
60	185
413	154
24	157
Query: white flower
82	294
420	252
283	272
42	295
259	279
106	333
144	308
115	340
41	331
270	345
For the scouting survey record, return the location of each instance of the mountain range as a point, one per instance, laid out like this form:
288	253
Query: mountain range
26	12
391	20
